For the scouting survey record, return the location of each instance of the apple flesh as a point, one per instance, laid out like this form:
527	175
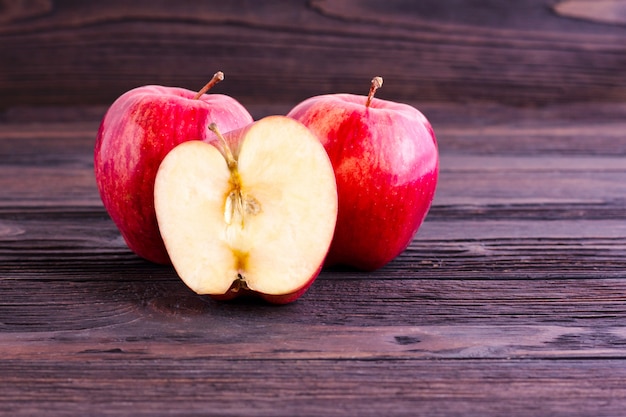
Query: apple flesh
251	214
386	163
136	133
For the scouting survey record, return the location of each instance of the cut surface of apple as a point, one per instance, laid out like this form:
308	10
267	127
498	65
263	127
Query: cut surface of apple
254	213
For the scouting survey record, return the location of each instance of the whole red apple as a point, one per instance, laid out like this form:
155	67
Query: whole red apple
386	164
136	133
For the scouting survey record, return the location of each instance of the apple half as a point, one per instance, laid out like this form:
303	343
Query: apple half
253	213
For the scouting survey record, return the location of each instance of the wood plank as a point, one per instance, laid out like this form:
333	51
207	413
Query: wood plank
447	248
62	298
153	338
115	386
578	165
64	53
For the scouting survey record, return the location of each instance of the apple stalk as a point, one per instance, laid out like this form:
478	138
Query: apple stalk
217	77
377	82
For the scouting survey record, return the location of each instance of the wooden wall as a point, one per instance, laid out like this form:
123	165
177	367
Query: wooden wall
521	53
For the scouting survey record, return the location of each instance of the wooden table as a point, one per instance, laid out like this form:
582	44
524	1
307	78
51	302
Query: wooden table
510	301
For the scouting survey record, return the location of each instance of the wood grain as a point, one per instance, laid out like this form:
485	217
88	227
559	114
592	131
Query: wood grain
511	300
485	387
522	53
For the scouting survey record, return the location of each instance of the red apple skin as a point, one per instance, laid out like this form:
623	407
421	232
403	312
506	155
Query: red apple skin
136	133
386	163
290	298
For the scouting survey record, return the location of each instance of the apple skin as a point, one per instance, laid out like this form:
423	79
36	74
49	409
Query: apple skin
386	163
135	134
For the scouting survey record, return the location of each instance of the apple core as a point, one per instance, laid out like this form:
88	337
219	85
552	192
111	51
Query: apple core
237	207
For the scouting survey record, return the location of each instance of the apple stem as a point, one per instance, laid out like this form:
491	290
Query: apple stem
228	154
217	77
377	82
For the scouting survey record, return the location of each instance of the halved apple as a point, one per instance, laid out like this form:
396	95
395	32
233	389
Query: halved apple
252	213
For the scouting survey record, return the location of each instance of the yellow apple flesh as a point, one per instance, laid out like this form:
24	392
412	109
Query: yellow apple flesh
254	213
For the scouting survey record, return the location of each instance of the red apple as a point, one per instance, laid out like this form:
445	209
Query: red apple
136	133
386	163
252	214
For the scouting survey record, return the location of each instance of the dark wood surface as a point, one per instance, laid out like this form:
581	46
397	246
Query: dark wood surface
510	301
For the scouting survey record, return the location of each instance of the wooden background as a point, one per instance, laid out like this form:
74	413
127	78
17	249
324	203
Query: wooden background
510	301
526	52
